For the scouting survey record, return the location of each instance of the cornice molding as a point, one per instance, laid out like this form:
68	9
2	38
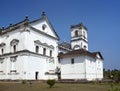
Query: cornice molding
79	39
38	42
23	53
14	42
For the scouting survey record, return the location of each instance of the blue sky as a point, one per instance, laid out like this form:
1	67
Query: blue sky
101	17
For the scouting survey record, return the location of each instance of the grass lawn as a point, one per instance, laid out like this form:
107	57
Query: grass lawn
40	86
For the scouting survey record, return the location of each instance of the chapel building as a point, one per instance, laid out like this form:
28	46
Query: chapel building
76	61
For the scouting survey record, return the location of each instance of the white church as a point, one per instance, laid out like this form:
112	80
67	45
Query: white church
30	50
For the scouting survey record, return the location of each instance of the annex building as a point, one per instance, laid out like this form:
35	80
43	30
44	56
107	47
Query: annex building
30	50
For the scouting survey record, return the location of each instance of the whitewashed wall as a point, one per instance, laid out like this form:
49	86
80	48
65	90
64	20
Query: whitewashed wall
32	36
27	65
73	71
94	69
7	38
99	64
90	68
36	64
20	67
85	67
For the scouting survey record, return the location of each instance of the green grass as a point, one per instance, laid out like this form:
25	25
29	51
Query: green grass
39	86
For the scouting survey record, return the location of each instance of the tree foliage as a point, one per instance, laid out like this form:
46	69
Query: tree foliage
112	74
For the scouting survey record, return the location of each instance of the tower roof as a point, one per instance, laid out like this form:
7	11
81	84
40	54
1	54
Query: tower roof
80	25
65	45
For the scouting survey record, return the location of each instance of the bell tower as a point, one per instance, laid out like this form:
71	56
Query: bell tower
79	38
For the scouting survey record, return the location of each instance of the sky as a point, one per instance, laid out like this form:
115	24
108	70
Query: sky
101	17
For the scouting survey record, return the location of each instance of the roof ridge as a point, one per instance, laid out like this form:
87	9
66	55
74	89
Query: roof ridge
25	20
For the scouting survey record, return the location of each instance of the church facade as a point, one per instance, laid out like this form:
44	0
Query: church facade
30	50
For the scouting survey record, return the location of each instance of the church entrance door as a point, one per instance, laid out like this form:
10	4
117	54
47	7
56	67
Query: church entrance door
36	75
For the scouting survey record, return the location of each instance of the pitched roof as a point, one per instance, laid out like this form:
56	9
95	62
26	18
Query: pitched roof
95	53
44	17
27	22
80	52
14	26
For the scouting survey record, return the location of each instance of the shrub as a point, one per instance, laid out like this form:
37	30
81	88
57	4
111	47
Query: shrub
51	82
24	81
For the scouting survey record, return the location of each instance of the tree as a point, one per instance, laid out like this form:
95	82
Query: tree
116	74
112	74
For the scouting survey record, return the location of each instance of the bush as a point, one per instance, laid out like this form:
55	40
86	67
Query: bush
51	82
24	81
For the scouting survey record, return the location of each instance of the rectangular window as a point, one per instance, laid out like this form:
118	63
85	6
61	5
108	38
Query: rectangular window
72	61
50	53
37	49
44	51
2	51
14	48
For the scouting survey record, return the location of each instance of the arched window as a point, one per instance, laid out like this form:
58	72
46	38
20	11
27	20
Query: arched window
14	45
44	27
76	33
37	49
14	48
76	47
14	42
85	46
84	33
44	51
